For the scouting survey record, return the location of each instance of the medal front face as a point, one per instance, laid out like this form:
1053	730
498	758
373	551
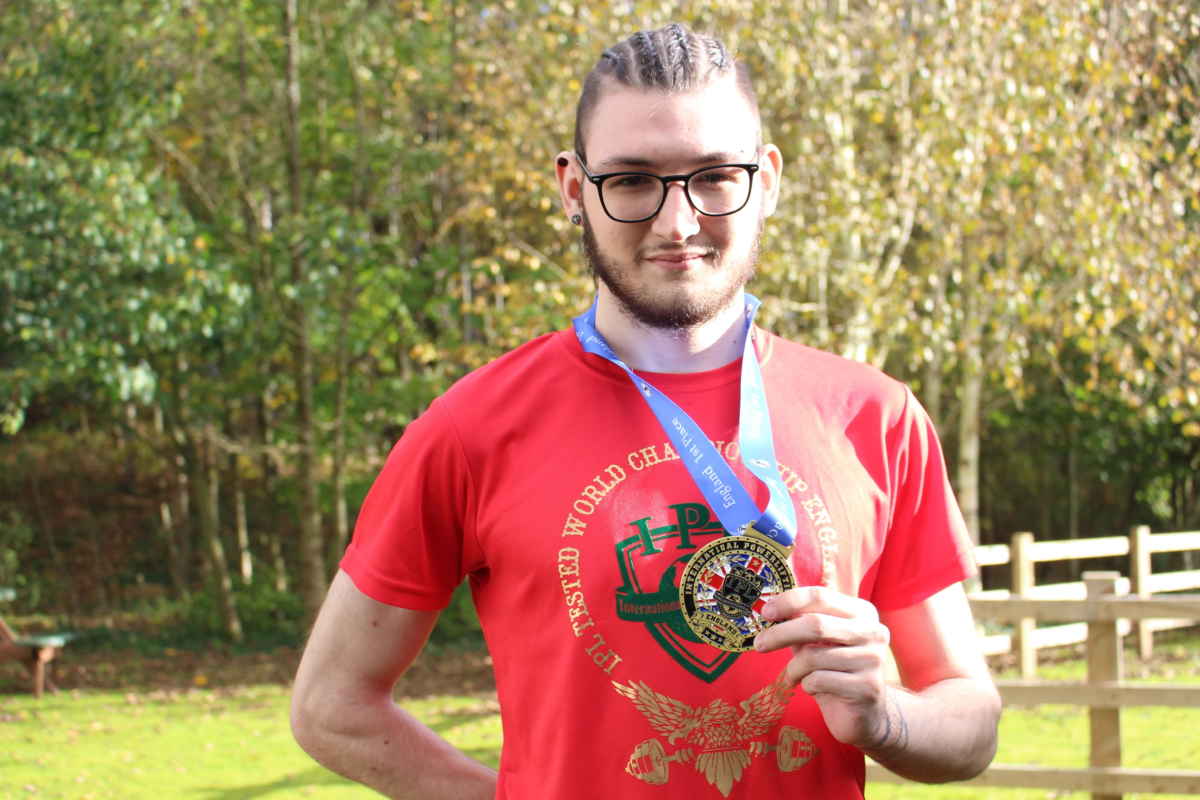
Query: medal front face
725	586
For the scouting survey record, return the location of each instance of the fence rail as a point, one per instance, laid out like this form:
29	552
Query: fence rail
1097	780
1024	552
1097	694
1104	693
1095	609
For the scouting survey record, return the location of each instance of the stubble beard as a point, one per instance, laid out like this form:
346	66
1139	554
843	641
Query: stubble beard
681	306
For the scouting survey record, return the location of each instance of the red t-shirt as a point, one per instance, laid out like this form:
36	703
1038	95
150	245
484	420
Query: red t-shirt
545	479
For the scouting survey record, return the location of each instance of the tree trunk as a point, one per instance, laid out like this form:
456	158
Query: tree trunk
199	478
341	522
312	561
968	421
194	466
239	521
931	386
183	518
270	536
241	536
168	482
174	563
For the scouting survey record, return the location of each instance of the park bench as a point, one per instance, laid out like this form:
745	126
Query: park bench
36	652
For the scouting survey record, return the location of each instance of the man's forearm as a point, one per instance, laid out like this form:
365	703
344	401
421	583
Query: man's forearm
946	732
374	742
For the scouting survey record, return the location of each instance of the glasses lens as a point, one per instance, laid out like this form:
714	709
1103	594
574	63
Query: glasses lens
629	197
720	190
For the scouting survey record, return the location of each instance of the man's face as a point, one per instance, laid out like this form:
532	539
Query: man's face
681	268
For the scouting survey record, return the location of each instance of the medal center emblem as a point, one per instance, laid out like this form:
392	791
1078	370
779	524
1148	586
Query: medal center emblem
725	586
739	591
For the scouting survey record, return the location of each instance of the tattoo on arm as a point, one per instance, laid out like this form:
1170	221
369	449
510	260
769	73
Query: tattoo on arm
894	740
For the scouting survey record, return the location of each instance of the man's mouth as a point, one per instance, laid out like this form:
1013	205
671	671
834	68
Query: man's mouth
678	259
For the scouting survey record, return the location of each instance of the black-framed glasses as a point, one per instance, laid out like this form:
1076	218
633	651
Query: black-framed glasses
716	191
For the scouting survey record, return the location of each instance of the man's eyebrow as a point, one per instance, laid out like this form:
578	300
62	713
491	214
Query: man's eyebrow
638	162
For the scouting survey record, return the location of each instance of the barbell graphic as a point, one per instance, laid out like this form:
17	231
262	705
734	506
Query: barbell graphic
649	761
793	749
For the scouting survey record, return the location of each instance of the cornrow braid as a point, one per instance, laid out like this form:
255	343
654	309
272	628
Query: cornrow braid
682	45
670	59
649	61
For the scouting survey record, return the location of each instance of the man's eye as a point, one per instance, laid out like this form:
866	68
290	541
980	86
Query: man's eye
629	181
716	176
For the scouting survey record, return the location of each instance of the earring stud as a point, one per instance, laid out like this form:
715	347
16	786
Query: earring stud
576	219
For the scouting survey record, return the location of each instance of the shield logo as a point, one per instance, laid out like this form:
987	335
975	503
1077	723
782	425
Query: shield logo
651	562
739	591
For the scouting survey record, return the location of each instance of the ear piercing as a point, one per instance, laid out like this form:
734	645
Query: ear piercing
576	219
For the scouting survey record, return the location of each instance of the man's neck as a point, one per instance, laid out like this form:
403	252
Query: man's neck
646	349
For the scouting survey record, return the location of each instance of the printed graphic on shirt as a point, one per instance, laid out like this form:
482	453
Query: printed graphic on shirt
652	561
717	740
656	541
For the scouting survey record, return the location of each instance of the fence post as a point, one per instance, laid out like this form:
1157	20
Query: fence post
1022	582
1139	583
1104	664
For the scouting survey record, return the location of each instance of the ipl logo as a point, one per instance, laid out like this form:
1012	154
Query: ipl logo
740	590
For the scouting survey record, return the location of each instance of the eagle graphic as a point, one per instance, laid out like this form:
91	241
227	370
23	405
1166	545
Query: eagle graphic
722	735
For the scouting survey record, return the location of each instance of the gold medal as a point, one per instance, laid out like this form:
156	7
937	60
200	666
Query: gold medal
725	586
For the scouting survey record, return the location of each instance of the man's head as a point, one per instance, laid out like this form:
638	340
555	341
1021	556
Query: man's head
671	60
670	103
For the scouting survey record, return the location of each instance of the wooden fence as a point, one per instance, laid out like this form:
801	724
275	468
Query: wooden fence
1101	610
1024	553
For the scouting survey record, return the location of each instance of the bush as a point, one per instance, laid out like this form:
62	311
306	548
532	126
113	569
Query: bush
458	624
269	618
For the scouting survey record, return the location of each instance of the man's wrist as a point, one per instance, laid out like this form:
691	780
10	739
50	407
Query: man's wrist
893	740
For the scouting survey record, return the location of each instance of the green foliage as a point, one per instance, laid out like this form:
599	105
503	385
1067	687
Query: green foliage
458	624
15	535
269	618
993	189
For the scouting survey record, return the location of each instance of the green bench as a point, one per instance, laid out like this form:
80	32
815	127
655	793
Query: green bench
37	652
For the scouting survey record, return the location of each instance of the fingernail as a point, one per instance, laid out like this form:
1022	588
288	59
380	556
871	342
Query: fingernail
768	611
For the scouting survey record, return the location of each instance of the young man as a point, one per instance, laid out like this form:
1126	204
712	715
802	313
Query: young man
575	506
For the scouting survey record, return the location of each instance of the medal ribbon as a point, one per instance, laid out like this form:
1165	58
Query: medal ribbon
708	468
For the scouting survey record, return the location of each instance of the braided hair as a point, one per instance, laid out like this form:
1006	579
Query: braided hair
672	59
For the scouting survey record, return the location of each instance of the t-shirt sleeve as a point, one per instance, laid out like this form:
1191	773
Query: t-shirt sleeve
413	542
927	547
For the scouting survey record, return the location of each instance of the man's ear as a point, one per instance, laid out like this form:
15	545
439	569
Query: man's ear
770	171
570	187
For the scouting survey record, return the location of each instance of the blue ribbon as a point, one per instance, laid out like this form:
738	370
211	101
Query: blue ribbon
708	468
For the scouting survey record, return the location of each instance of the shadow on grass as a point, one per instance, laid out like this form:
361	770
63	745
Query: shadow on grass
317	776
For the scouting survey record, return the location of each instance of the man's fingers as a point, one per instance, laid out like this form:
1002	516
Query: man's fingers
834	659
816	600
813	628
851	687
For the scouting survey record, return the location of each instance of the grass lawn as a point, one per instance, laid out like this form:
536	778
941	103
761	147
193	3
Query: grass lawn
228	739
227	744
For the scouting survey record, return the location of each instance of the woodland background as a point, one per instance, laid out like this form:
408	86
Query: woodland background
244	243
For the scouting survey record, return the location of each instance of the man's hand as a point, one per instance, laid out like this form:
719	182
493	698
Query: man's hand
839	656
941	726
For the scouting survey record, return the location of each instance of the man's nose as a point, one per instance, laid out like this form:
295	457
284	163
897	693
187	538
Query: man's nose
677	219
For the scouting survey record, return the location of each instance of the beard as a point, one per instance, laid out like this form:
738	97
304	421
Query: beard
686	303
